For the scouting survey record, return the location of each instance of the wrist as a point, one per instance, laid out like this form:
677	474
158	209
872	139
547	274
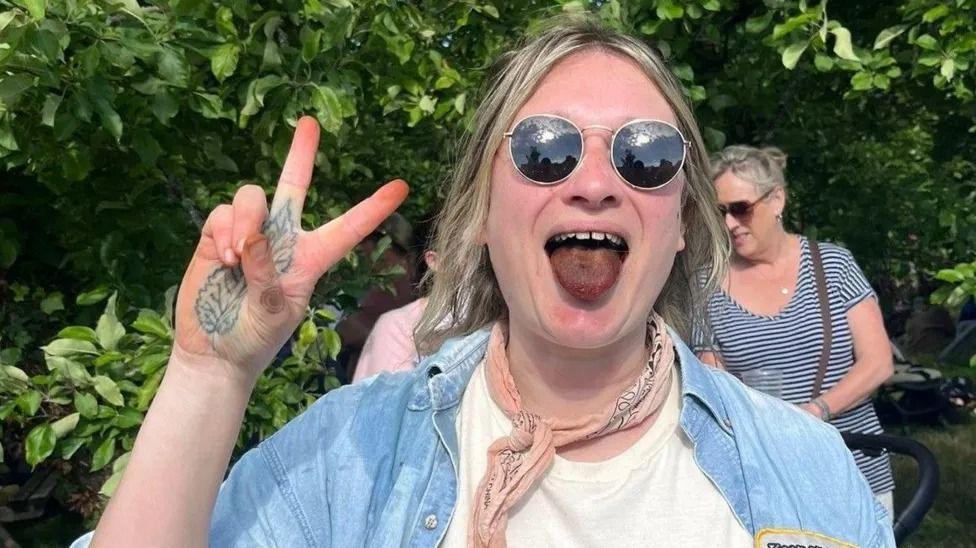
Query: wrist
208	374
821	406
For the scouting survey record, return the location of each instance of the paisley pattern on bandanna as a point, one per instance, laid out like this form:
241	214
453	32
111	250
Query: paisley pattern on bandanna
517	461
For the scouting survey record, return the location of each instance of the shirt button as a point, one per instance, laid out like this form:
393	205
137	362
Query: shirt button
430	522
728	424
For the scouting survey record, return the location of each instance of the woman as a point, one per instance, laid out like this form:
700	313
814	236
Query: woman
767	315
556	411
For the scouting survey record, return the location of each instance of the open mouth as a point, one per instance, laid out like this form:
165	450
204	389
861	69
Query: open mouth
587	264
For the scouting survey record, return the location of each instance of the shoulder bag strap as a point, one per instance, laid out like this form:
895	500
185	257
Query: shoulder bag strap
818	274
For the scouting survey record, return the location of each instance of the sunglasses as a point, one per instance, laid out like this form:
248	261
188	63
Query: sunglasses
742	209
647	154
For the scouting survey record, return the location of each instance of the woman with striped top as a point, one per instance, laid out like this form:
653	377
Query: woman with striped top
768	314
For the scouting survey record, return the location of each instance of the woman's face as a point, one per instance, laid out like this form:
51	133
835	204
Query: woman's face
753	232
550	290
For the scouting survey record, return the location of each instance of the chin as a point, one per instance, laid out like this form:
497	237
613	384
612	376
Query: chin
587	325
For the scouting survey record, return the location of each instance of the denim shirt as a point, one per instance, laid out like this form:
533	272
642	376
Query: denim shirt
375	464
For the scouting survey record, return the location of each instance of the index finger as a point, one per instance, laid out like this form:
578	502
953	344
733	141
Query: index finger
296	174
333	240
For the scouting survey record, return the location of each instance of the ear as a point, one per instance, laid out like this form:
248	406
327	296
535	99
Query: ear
681	232
780	197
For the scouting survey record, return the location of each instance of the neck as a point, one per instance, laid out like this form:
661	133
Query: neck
556	381
777	248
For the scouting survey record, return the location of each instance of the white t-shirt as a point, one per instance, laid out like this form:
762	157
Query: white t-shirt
652	494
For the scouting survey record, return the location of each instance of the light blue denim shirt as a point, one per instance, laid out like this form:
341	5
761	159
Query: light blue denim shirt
375	464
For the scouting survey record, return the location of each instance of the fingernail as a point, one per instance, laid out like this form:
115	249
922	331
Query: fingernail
229	256
257	247
240	246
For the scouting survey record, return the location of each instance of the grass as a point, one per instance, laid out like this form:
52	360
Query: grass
952	520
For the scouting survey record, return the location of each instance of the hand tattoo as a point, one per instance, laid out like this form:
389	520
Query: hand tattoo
219	300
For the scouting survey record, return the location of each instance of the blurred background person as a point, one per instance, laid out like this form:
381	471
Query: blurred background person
766	319
390	345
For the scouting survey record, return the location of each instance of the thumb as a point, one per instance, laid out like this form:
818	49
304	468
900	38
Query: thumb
261	275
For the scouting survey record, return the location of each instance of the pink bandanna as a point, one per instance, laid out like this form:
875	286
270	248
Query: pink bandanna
515	462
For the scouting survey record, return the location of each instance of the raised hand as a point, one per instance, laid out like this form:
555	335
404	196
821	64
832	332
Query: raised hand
253	272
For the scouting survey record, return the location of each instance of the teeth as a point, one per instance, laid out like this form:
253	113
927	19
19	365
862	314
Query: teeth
616	240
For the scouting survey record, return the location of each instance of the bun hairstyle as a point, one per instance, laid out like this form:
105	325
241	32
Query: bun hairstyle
763	167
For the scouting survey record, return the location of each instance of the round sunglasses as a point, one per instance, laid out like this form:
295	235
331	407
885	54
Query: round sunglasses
647	154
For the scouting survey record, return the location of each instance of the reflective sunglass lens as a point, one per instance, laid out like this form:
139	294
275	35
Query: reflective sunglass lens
546	149
648	154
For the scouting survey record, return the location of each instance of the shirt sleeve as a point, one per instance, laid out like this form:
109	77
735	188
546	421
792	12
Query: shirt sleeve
853	284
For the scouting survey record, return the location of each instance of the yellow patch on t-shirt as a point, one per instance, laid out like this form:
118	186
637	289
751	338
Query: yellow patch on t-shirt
796	538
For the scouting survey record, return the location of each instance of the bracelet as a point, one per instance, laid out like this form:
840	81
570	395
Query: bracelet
824	410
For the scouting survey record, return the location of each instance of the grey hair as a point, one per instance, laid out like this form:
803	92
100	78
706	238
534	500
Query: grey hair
464	295
763	167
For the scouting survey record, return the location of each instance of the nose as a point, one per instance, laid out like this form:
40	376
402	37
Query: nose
730	221
595	184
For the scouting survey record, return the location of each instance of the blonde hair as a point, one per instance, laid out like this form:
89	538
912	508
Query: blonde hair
763	167
464	294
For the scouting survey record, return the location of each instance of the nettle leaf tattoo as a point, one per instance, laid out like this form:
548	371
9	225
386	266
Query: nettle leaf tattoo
219	299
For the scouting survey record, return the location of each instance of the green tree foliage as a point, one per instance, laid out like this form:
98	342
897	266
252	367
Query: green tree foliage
123	122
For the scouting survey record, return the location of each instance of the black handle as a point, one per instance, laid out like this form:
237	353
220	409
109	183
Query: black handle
928	475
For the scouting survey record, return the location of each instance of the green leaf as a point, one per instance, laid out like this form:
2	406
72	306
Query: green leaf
792	54
111	120
950	275
164	107
926	41
948	68
150	363
127	418
333	343
78	332
172	67
823	63
40	444
70	445
109	330
936	13
887	35
86	404
755	25
29	402
50	108
862	81
103	455
69	347
328	109
111	484
94	296
52	303
256	91
65	425
307	333
148	390
842	44
11	87
223	61
150	323
5	18
36	8
108	390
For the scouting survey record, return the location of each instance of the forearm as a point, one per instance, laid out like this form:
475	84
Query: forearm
168	490
865	376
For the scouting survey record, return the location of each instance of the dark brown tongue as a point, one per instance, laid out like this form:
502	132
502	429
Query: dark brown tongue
585	273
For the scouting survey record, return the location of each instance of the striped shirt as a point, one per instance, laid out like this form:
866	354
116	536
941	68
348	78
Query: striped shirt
791	341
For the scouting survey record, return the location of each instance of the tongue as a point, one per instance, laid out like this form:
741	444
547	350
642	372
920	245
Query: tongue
585	273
